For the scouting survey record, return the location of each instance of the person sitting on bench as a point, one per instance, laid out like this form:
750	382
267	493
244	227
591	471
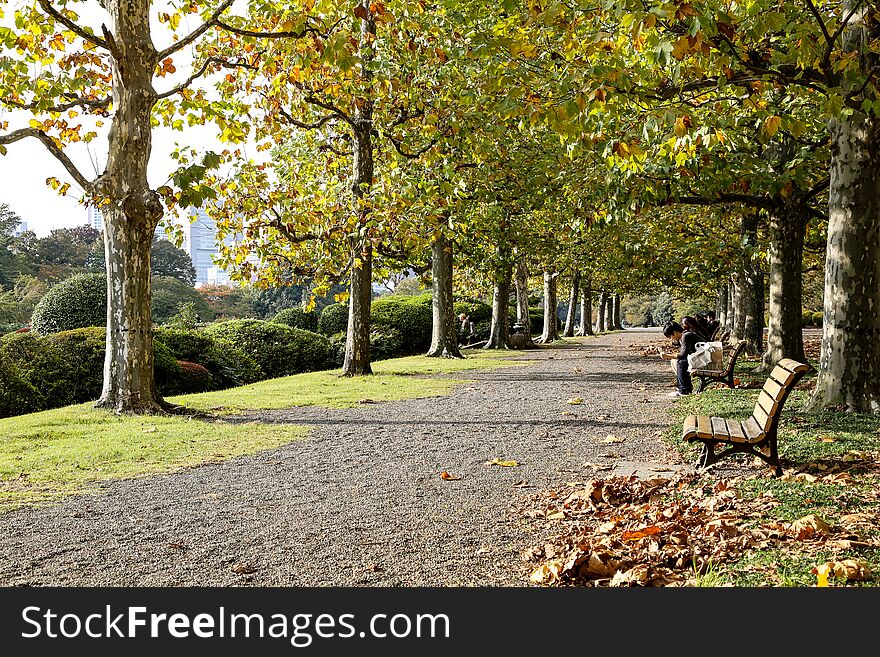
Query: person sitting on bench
688	344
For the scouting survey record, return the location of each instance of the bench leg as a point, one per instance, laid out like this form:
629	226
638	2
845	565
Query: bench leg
707	455
702	384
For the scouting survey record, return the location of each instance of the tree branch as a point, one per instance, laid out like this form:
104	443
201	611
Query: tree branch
53	148
223	63
76	101
196	33
46	6
286	34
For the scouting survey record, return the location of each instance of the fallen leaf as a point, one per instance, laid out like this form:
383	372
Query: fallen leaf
521	484
556	515
505	464
546	573
373	568
366	401
610	440
445	476
849	569
821	573
810	525
827	439
151	430
243	569
575	400
177	546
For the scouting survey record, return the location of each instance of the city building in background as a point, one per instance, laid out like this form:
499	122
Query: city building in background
22	228
199	241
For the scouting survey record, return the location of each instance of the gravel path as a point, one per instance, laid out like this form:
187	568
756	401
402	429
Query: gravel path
360	502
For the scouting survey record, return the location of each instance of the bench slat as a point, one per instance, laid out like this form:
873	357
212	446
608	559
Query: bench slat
704	426
767	402
735	431
752	430
719	428
690	427
774	389
782	375
761	417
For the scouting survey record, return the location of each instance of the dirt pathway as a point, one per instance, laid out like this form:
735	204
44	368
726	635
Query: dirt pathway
361	502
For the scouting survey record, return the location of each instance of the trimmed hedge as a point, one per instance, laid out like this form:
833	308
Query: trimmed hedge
228	365
479	311
298	318
66	368
333	319
279	350
17	395
408	319
76	302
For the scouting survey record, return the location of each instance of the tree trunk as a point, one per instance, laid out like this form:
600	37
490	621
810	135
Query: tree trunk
499	333
738	315
521	283
618	325
751	300
444	339
721	306
600	319
132	211
586	309
357	339
357	342
785	331
572	304
849	369
551	320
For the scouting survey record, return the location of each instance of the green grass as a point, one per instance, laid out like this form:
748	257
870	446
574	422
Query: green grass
809	443
393	379
72	449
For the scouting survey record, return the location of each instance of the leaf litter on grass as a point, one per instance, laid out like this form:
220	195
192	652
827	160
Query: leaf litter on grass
626	531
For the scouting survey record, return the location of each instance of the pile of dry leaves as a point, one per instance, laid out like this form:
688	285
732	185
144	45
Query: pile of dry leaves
625	531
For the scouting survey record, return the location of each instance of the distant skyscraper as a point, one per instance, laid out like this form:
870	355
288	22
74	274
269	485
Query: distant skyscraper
22	228
200	242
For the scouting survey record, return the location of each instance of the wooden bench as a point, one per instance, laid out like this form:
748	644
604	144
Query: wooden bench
757	435
708	377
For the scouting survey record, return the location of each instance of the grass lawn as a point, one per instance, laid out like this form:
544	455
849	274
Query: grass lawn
44	456
72	449
831	467
393	379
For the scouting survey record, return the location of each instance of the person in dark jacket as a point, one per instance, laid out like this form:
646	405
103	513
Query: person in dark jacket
687	341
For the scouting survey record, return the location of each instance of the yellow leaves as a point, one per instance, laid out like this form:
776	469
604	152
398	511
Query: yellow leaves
681	48
612	440
680	129
771	125
446	476
575	400
503	463
822	573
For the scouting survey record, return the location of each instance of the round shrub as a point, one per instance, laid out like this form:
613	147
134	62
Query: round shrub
807	318
333	319
42	366
165	368
17	395
411	319
298	318
279	350
337	349
536	320
169	294
78	301
818	318
229	366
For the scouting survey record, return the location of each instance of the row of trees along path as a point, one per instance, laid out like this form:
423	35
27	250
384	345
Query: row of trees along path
678	143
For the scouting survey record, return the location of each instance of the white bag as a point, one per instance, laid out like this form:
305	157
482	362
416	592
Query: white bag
708	356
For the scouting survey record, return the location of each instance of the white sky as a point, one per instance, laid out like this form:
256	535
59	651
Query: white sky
27	164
